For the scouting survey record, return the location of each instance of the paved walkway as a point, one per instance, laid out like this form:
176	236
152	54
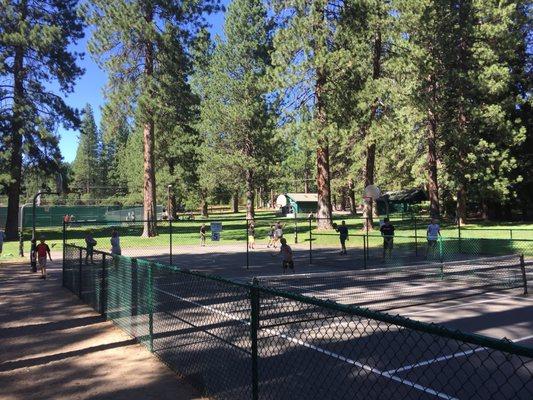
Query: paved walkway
54	347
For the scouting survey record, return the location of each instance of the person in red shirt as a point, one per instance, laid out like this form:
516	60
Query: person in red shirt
42	250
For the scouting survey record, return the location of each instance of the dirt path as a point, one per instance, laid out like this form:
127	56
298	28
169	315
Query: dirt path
54	347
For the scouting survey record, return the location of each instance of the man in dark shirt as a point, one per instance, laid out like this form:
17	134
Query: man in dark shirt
343	235
387	231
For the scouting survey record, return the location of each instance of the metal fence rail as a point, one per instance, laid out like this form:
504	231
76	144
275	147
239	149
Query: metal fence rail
239	341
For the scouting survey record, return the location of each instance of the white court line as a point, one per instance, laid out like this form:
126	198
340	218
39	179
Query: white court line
448	357
518	296
454	306
322	351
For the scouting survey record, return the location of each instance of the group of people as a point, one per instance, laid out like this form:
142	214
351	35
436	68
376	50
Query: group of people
68	218
387	231
90	243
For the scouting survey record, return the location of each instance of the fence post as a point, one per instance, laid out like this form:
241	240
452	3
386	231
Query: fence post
459	233
365	249
524	276
134	285
79	272
247	245
103	287
170	225
254	327
416	236
511	233
310	242
151	306
64	252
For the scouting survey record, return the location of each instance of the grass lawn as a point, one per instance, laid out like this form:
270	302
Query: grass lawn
186	233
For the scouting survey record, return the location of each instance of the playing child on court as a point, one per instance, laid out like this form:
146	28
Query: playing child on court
433	233
286	253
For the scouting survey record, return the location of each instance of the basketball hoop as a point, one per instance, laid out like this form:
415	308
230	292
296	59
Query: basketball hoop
372	192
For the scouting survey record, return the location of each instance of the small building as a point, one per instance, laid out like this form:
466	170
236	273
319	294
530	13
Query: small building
400	201
297	203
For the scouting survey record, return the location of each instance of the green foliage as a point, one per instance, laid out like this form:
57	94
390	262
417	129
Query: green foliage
86	166
236	112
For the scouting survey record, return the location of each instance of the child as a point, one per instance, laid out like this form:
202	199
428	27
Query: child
286	252
202	235
251	236
42	250
343	235
278	233
433	233
89	243
271	236
387	231
115	243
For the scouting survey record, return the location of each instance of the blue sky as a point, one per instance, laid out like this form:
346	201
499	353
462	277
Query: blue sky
89	88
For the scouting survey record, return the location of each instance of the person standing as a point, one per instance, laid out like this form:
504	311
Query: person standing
251	236
2	238
433	233
343	235
387	231
286	253
271	236
278	233
42	251
115	243
89	243
202	235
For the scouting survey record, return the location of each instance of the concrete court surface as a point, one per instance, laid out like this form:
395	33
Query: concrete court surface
54	347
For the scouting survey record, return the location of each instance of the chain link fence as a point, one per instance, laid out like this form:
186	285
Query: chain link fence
217	246
234	340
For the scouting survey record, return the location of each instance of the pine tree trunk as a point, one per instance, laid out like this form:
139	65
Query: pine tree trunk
149	201
172	207
205	209
351	196
235	202
13	190
369	210
433	187
250	195
323	177
324	212
461	203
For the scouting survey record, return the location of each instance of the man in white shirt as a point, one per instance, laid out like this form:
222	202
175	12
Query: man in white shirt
433	233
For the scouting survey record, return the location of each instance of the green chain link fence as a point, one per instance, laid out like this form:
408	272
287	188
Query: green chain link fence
233	340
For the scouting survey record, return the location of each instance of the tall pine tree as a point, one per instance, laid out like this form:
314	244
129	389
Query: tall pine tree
35	37
86	166
236	109
128	41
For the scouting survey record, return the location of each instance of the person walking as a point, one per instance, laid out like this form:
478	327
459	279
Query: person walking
387	231
115	243
433	233
89	243
42	251
202	235
343	235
